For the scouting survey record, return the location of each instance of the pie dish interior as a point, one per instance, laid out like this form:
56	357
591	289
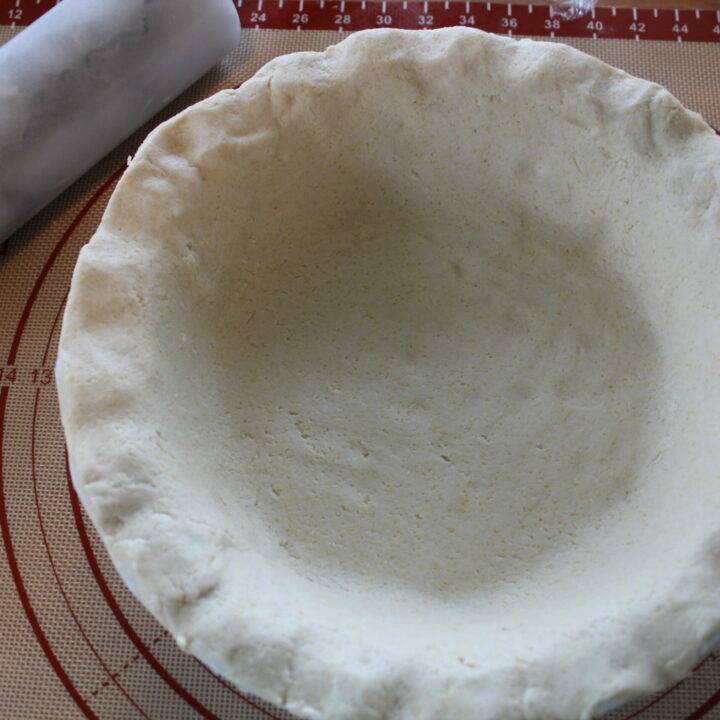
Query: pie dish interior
390	380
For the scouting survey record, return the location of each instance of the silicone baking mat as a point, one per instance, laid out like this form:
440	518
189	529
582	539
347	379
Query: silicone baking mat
74	643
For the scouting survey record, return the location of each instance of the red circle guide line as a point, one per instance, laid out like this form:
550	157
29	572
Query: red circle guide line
349	15
705	708
669	690
54	327
4	521
46	544
20	586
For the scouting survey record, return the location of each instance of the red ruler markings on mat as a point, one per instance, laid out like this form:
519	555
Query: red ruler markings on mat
23	12
674	25
349	15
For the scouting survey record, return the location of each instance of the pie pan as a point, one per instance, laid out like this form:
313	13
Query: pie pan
390	381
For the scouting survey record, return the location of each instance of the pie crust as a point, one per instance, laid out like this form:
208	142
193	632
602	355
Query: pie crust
390	380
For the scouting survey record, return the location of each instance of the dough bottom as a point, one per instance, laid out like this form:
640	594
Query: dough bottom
434	412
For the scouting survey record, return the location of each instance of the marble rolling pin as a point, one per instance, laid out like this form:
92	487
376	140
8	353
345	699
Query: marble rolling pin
84	76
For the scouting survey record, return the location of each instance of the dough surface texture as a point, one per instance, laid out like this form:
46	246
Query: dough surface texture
390	381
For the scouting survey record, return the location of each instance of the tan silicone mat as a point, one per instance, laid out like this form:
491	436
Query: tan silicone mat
74	643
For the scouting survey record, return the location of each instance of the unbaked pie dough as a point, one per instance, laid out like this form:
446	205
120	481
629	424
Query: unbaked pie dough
391	380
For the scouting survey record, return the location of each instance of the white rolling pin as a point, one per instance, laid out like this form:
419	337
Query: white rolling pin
87	74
